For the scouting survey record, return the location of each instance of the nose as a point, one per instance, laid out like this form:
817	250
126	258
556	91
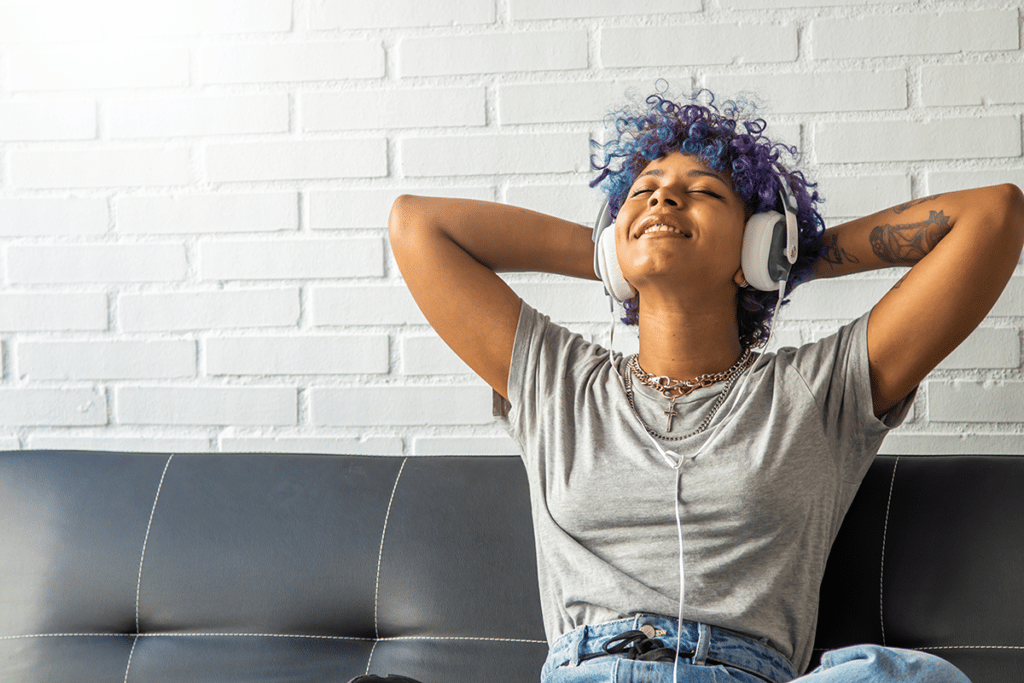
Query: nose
664	196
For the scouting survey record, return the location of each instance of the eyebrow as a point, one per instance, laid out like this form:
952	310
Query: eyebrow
692	173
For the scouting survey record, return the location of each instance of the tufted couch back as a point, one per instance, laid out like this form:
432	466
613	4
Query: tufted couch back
129	567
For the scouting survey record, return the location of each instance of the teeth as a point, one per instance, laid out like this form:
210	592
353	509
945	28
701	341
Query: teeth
663	228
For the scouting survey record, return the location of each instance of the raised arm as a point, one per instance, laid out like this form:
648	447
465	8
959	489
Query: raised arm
449	251
963	247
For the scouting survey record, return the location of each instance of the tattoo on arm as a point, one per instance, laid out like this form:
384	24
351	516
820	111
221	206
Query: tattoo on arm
905	245
903	207
835	254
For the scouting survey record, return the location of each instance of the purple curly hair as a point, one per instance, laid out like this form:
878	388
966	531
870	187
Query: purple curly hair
729	141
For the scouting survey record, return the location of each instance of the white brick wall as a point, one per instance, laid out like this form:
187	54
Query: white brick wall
194	196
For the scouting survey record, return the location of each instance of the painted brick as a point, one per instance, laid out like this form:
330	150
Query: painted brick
289	62
428	355
371	406
303	160
167	117
975	402
525	10
563	102
1011	303
566	300
367	305
492	53
64	216
39	264
903	443
205	213
121	444
223	309
950	181
311	355
10	443
780	4
99	168
344	14
626	340
855	196
90	66
955	138
986	347
53	311
578	203
243	16
419	108
369	208
821	91
690	45
291	259
972	84
487	154
114	19
250	405
922	33
843	299
328	445
48	120
465	445
52	407
162	359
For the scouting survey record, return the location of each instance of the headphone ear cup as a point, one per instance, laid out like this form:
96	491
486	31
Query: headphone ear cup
764	251
610	270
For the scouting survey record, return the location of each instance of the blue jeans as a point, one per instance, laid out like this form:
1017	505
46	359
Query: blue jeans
723	656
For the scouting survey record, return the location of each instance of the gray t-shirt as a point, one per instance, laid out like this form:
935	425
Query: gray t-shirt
760	506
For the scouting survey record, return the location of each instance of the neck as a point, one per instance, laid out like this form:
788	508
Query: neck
683	342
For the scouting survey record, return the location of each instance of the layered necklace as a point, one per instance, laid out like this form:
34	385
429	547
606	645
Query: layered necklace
673	389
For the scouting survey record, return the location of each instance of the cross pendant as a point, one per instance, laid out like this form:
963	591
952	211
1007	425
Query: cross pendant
670	413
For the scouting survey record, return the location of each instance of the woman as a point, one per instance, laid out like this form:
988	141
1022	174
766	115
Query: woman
753	460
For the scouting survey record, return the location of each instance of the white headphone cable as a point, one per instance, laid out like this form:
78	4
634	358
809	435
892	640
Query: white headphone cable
677	463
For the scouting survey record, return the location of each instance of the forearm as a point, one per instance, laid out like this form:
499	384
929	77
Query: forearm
904	234
501	237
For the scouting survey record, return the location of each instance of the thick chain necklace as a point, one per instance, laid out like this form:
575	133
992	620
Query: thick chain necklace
669	388
675	388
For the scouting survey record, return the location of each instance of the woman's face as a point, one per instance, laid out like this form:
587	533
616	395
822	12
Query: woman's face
681	221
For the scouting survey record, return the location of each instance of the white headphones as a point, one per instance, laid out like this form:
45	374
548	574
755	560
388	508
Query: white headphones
768	254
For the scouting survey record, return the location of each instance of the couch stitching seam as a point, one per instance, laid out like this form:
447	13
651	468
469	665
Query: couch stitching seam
145	540
380	554
142	559
131	653
369	659
136	636
881	569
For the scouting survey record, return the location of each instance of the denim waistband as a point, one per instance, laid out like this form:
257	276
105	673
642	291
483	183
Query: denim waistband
710	645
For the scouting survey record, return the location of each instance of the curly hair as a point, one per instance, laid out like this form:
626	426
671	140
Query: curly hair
728	140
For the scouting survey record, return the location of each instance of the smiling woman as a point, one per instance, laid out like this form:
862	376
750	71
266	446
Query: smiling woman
743	499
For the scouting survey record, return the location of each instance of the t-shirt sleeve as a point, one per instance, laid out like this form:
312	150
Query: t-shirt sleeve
836	371
549	362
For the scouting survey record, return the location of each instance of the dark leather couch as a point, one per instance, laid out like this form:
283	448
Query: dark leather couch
128	567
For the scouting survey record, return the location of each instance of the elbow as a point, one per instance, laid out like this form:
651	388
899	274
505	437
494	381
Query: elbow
1013	202
410	216
401	216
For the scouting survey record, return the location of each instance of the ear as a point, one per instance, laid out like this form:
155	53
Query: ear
739	279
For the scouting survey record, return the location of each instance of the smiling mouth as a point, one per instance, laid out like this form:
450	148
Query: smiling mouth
662	229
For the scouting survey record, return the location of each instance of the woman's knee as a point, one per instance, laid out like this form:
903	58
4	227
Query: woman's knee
891	664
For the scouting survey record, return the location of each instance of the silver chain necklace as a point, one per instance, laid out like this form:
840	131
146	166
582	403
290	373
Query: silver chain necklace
668	386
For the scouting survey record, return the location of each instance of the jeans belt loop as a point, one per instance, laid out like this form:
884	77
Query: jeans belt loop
579	637
700	654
